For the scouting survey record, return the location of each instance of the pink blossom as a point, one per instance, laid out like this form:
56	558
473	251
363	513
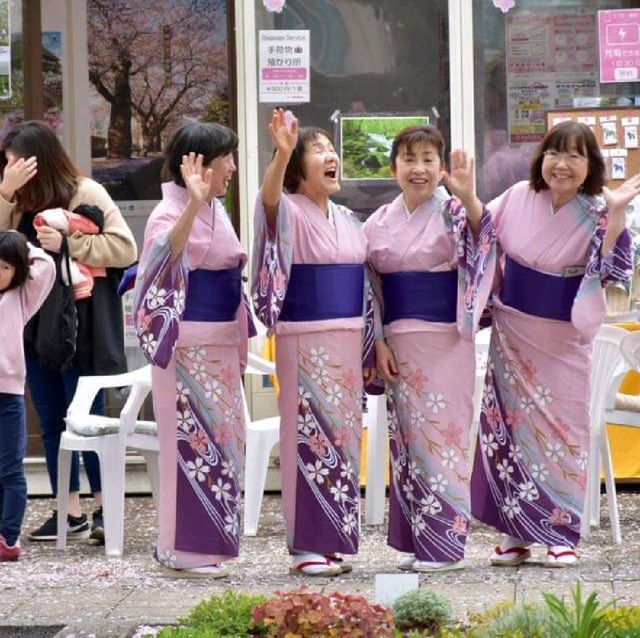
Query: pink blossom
318	444
342	437
559	517
349	379
278	281
264	277
485	244
493	417
226	374
143	320
528	369
459	525
452	434
417	379
513	418
274	6
198	441
222	435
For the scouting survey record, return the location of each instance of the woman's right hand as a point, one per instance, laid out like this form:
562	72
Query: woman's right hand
17	173
386	361
196	178
283	136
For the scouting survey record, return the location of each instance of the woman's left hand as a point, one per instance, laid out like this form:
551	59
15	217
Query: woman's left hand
459	180
617	200
50	239
368	375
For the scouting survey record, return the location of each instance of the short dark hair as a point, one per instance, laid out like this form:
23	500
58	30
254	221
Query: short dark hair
417	134
560	138
15	251
208	139
294	173
56	181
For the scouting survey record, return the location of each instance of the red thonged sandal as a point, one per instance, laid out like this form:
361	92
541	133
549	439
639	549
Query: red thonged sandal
510	557
310	564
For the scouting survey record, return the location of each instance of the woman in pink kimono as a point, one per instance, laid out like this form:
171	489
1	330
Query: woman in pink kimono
192	325
559	244
309	289
424	261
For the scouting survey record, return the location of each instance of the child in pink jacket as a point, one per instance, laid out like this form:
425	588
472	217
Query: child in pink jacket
27	274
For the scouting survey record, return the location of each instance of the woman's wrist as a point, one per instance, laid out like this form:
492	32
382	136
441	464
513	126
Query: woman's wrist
6	193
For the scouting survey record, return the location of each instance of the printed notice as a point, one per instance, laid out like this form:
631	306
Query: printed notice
284	74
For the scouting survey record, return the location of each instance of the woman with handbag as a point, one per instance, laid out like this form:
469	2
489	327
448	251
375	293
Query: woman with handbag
38	175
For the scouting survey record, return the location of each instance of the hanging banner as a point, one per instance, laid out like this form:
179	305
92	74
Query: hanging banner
619	40
284	74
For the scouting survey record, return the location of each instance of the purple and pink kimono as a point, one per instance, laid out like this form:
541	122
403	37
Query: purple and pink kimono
192	326
309	290
530	467
428	278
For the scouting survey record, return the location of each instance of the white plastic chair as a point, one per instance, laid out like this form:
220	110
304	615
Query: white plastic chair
375	421
607	370
261	438
108	438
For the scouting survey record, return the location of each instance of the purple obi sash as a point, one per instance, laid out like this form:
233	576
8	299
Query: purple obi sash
537	293
430	296
213	295
324	291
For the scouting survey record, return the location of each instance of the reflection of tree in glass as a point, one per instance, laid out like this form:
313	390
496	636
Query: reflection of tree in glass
4	23
155	61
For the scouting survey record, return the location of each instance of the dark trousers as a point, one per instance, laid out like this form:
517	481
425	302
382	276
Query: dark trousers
13	447
51	393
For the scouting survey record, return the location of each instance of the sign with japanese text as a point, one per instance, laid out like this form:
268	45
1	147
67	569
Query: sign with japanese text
284	66
619	35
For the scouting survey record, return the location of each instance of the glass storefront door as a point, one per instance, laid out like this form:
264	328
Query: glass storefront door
542	54
367	58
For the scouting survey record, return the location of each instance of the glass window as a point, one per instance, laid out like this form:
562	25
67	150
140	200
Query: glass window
367	57
542	54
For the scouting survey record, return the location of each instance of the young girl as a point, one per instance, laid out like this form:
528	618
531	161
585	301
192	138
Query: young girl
26	277
309	289
417	250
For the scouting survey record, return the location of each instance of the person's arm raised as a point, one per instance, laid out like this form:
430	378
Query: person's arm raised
284	138
459	180
198	183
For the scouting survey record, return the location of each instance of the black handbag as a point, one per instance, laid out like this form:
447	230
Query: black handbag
56	332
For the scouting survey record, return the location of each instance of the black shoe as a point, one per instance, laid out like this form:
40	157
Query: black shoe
97	527
77	527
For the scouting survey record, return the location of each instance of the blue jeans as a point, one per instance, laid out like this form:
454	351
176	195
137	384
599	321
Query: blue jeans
51	393
13	447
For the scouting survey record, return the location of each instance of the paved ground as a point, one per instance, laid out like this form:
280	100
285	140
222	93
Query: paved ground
106	597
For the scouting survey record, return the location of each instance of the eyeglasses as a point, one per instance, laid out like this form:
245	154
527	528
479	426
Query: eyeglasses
568	158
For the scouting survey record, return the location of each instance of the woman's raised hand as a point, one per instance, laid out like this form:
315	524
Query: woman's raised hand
17	173
617	200
283	130
459	179
196	178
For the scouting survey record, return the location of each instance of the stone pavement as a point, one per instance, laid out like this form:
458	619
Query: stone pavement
88	593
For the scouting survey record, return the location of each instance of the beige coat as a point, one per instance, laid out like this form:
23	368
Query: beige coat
114	247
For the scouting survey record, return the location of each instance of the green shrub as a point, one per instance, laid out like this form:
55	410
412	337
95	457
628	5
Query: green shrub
624	621
523	621
584	619
422	609
228	616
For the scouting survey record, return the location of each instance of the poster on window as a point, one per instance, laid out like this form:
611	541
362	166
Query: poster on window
619	44
284	74
5	50
551	58
152	63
